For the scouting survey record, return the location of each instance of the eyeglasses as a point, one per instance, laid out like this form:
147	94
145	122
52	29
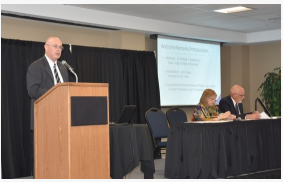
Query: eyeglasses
213	99
243	95
56	46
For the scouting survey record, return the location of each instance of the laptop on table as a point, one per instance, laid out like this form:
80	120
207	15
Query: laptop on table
126	115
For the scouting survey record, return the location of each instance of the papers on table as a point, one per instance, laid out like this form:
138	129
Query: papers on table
263	115
222	121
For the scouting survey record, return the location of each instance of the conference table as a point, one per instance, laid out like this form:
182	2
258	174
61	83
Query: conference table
129	145
222	149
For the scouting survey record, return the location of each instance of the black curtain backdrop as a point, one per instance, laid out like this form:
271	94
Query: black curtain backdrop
132	78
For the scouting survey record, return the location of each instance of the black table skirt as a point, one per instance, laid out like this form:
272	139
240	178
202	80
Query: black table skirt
219	150
129	145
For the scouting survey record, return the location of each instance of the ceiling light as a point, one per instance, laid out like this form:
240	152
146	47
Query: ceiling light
233	10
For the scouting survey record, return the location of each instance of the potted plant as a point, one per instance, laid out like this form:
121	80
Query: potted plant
271	91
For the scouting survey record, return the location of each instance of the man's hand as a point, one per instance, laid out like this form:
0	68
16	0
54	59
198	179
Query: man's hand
254	115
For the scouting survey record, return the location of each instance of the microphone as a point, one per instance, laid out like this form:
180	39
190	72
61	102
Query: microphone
67	65
70	68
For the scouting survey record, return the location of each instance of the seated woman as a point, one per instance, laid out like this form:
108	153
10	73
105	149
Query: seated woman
206	110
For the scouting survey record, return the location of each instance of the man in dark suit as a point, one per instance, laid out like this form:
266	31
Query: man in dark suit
233	103
44	73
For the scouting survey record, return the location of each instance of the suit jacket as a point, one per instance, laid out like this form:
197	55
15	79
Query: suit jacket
40	79
226	104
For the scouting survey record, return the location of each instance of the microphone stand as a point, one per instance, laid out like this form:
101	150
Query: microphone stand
74	74
70	68
261	103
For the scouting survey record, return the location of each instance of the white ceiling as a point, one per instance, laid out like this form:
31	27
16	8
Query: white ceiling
197	21
263	17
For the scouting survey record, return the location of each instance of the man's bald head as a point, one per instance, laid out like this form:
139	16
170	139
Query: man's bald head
236	89
237	93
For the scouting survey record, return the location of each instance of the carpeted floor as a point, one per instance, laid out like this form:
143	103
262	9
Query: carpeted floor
160	166
137	174
159	171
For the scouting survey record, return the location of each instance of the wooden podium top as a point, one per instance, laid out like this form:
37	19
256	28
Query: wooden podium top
71	84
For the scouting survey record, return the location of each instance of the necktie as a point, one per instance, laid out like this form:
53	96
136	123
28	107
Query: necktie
237	108
56	73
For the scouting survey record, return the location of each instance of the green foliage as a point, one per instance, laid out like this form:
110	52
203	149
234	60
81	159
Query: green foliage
271	91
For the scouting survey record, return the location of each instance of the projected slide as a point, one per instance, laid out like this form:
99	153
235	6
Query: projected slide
186	69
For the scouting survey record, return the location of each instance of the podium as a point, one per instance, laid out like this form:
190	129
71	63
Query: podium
71	132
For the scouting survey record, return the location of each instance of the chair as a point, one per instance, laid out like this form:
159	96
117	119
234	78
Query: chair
176	115
158	126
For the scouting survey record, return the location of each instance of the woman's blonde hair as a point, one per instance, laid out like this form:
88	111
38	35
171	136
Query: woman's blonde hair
205	95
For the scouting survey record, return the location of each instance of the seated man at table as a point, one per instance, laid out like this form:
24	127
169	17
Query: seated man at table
206	110
233	103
